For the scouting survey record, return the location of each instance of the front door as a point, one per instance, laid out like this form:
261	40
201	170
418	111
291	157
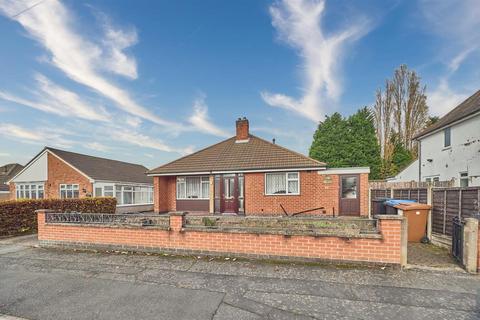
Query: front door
230	193
349	195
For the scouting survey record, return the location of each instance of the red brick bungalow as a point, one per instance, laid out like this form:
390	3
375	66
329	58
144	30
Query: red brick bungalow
55	174
248	175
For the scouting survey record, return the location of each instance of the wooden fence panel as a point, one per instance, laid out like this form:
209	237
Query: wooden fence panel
460	202
438	212
447	203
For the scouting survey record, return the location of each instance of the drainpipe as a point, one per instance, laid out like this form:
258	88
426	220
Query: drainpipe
419	146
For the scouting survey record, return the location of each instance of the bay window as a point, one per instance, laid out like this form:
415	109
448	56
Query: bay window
29	190
282	183
193	187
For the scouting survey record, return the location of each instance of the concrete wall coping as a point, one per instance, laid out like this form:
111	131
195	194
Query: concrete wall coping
178	213
389	217
284	232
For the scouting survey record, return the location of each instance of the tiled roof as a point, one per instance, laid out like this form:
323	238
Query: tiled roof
104	169
464	109
230	155
7	172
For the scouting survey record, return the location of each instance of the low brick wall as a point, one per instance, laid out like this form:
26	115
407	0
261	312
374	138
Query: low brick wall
385	247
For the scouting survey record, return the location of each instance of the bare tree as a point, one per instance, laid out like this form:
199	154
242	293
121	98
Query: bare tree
400	110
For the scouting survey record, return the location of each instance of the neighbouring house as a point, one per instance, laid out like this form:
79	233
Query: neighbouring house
7	172
248	175
55	173
449	150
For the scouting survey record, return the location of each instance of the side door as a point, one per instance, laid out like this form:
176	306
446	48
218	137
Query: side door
349	195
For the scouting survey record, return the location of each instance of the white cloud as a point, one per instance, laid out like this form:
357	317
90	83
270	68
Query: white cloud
115	42
200	120
299	24
133	137
97	146
57	100
134	122
52	25
443	99
457	23
41	136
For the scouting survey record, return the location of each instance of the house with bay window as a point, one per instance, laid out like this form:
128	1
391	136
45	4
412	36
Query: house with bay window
249	175
55	173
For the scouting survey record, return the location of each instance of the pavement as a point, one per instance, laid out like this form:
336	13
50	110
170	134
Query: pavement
37	283
430	256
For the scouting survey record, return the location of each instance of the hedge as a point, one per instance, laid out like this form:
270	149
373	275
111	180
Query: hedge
18	216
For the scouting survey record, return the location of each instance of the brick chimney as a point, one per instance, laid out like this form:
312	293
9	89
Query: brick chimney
242	129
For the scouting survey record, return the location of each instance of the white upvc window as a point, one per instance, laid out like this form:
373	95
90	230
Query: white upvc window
278	183
193	188
130	194
463	179
29	190
69	191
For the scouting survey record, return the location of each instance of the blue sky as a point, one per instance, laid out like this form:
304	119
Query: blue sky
149	81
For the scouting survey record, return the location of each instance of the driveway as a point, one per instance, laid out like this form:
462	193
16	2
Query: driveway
37	283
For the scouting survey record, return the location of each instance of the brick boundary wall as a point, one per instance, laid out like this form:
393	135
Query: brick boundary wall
387	247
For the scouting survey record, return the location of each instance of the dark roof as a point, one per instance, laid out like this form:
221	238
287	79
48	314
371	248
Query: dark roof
229	155
7	172
104	169
464	109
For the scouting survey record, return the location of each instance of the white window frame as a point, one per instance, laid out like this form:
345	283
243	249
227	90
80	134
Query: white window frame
449	135
19	187
74	187
146	190
286	184
460	178
183	181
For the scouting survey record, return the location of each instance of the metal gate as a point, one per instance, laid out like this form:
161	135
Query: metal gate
457	239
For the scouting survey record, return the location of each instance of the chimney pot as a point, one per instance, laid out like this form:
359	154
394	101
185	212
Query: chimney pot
273	140
242	129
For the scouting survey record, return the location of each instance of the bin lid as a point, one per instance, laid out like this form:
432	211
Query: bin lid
394	202
413	206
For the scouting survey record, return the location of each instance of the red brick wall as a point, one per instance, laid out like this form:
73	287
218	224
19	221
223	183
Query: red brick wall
61	173
385	250
316	190
364	194
164	193
13	193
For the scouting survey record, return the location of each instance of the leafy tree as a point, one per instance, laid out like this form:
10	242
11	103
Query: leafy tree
346	142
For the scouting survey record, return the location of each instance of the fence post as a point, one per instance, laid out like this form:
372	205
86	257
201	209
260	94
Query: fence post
369	202
429	218
470	245
460	203
444	211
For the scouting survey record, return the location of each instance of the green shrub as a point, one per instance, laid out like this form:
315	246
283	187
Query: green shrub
18	216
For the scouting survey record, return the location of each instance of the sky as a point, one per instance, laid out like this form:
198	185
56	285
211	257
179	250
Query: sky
151	81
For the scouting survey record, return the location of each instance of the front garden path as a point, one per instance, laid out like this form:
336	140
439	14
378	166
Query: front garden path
37	283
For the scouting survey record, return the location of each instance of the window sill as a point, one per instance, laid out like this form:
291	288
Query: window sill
447	148
134	204
194	199
281	195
